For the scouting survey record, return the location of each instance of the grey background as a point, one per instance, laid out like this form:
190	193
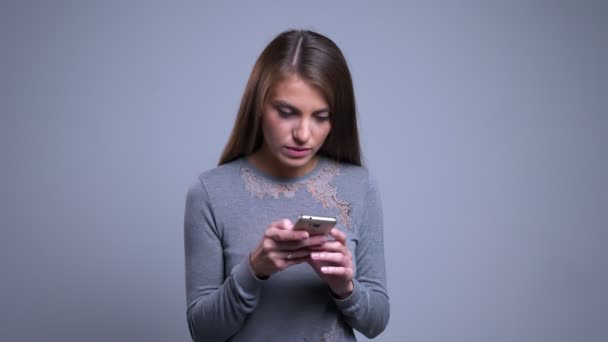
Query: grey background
485	124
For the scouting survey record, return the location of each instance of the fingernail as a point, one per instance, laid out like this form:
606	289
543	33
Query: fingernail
304	236
315	255
324	269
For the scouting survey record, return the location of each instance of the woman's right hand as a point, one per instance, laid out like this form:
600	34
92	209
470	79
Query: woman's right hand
281	247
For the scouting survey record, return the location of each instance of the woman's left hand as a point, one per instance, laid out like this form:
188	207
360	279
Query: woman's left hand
333	262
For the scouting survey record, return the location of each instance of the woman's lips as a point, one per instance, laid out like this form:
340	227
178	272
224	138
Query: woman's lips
297	152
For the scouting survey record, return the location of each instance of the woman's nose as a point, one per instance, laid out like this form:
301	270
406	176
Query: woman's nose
301	132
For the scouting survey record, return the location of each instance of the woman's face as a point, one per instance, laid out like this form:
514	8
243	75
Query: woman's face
295	123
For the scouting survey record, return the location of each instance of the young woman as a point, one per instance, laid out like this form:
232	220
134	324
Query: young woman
294	150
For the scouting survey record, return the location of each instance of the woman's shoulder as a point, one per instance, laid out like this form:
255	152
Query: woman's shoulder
352	172
222	174
352	179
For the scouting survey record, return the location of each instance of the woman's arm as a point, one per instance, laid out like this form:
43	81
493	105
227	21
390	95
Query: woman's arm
367	308
217	307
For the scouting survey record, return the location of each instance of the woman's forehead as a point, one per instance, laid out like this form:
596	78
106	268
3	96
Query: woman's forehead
298	92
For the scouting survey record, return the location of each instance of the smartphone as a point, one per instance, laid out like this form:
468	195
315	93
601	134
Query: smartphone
315	225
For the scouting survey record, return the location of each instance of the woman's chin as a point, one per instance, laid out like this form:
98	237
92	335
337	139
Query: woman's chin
299	165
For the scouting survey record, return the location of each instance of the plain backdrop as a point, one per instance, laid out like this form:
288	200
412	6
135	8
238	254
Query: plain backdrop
484	122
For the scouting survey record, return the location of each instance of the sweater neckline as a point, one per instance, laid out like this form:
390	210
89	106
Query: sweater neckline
285	180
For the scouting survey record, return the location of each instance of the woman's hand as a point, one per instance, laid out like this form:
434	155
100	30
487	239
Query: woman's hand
281	247
333	262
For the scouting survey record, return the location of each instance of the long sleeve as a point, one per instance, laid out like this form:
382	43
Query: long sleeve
367	308
217	307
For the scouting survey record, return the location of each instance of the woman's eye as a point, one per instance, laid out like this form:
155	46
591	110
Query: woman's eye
322	117
284	112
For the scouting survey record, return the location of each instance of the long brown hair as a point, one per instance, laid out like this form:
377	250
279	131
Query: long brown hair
316	59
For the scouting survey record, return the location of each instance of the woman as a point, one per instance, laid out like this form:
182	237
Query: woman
294	149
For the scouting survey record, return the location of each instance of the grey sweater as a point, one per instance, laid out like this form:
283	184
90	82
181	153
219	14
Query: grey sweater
228	208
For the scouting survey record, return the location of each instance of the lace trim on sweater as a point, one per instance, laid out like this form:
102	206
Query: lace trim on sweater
319	187
335	333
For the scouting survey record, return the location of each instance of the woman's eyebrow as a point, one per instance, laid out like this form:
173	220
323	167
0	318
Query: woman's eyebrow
281	103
